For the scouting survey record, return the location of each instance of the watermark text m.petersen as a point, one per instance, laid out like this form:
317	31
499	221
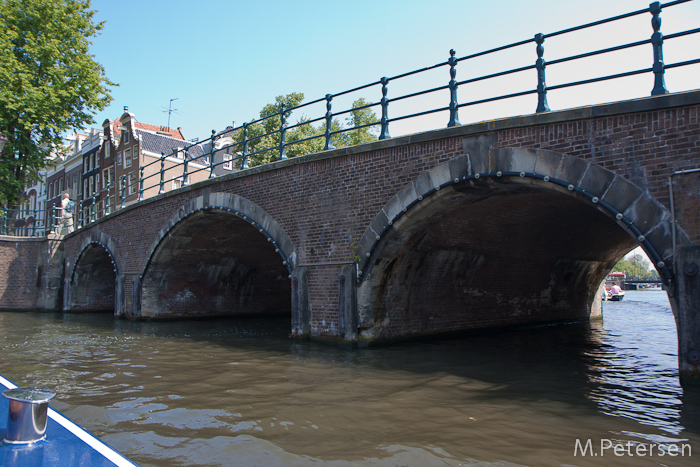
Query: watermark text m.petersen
611	447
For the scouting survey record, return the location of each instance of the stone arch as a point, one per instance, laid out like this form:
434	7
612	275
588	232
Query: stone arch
626	215
635	210
233	275
94	282
239	206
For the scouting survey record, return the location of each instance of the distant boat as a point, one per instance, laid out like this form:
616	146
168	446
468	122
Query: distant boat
617	297
613	279
608	295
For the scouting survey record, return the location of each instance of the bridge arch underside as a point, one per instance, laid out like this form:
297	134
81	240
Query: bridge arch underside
213	263
489	253
94	281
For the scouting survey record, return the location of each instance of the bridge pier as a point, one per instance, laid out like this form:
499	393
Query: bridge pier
317	312
687	304
301	320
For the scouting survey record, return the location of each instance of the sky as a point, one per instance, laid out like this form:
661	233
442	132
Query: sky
218	62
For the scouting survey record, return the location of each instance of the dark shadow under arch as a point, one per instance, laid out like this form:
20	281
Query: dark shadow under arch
221	256
93	282
510	236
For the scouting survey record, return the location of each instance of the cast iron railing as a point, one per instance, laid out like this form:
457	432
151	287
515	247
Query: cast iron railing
24	222
192	158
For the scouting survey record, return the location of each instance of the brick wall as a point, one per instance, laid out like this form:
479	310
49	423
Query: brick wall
20	259
646	148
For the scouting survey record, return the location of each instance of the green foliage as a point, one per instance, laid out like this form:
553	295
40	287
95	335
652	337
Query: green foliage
304	137
636	267
354	248
359	118
49	84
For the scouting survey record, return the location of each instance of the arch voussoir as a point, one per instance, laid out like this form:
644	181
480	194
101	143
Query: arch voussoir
646	220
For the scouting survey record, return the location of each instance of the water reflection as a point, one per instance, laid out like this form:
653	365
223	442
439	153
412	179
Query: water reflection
241	393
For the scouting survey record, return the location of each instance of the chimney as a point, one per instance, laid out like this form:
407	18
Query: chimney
126	109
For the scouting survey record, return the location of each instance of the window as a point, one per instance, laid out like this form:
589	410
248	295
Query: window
107	147
228	164
94	160
75	181
132	185
127	158
85	187
119	157
126	136
70	183
60	185
106	179
85	165
97	182
50	190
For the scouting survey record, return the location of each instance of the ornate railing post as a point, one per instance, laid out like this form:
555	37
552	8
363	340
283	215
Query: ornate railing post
244	161
283	134
185	174
93	208
80	214
106	210
122	192
56	218
141	176
657	40
212	174
454	108
53	218
35	215
329	123
542	105
162	173
385	110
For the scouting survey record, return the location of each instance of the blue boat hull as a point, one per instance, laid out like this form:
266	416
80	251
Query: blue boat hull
66	444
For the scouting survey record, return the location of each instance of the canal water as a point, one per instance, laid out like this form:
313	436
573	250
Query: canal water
240	393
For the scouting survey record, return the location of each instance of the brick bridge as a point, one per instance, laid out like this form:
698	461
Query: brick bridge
504	222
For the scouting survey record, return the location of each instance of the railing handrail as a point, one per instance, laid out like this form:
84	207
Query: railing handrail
14	222
135	181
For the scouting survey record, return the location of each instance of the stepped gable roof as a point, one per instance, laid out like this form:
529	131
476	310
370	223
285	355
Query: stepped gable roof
154	142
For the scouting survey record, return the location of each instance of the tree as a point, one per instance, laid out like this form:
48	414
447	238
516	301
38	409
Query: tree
636	267
360	117
304	137
49	84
